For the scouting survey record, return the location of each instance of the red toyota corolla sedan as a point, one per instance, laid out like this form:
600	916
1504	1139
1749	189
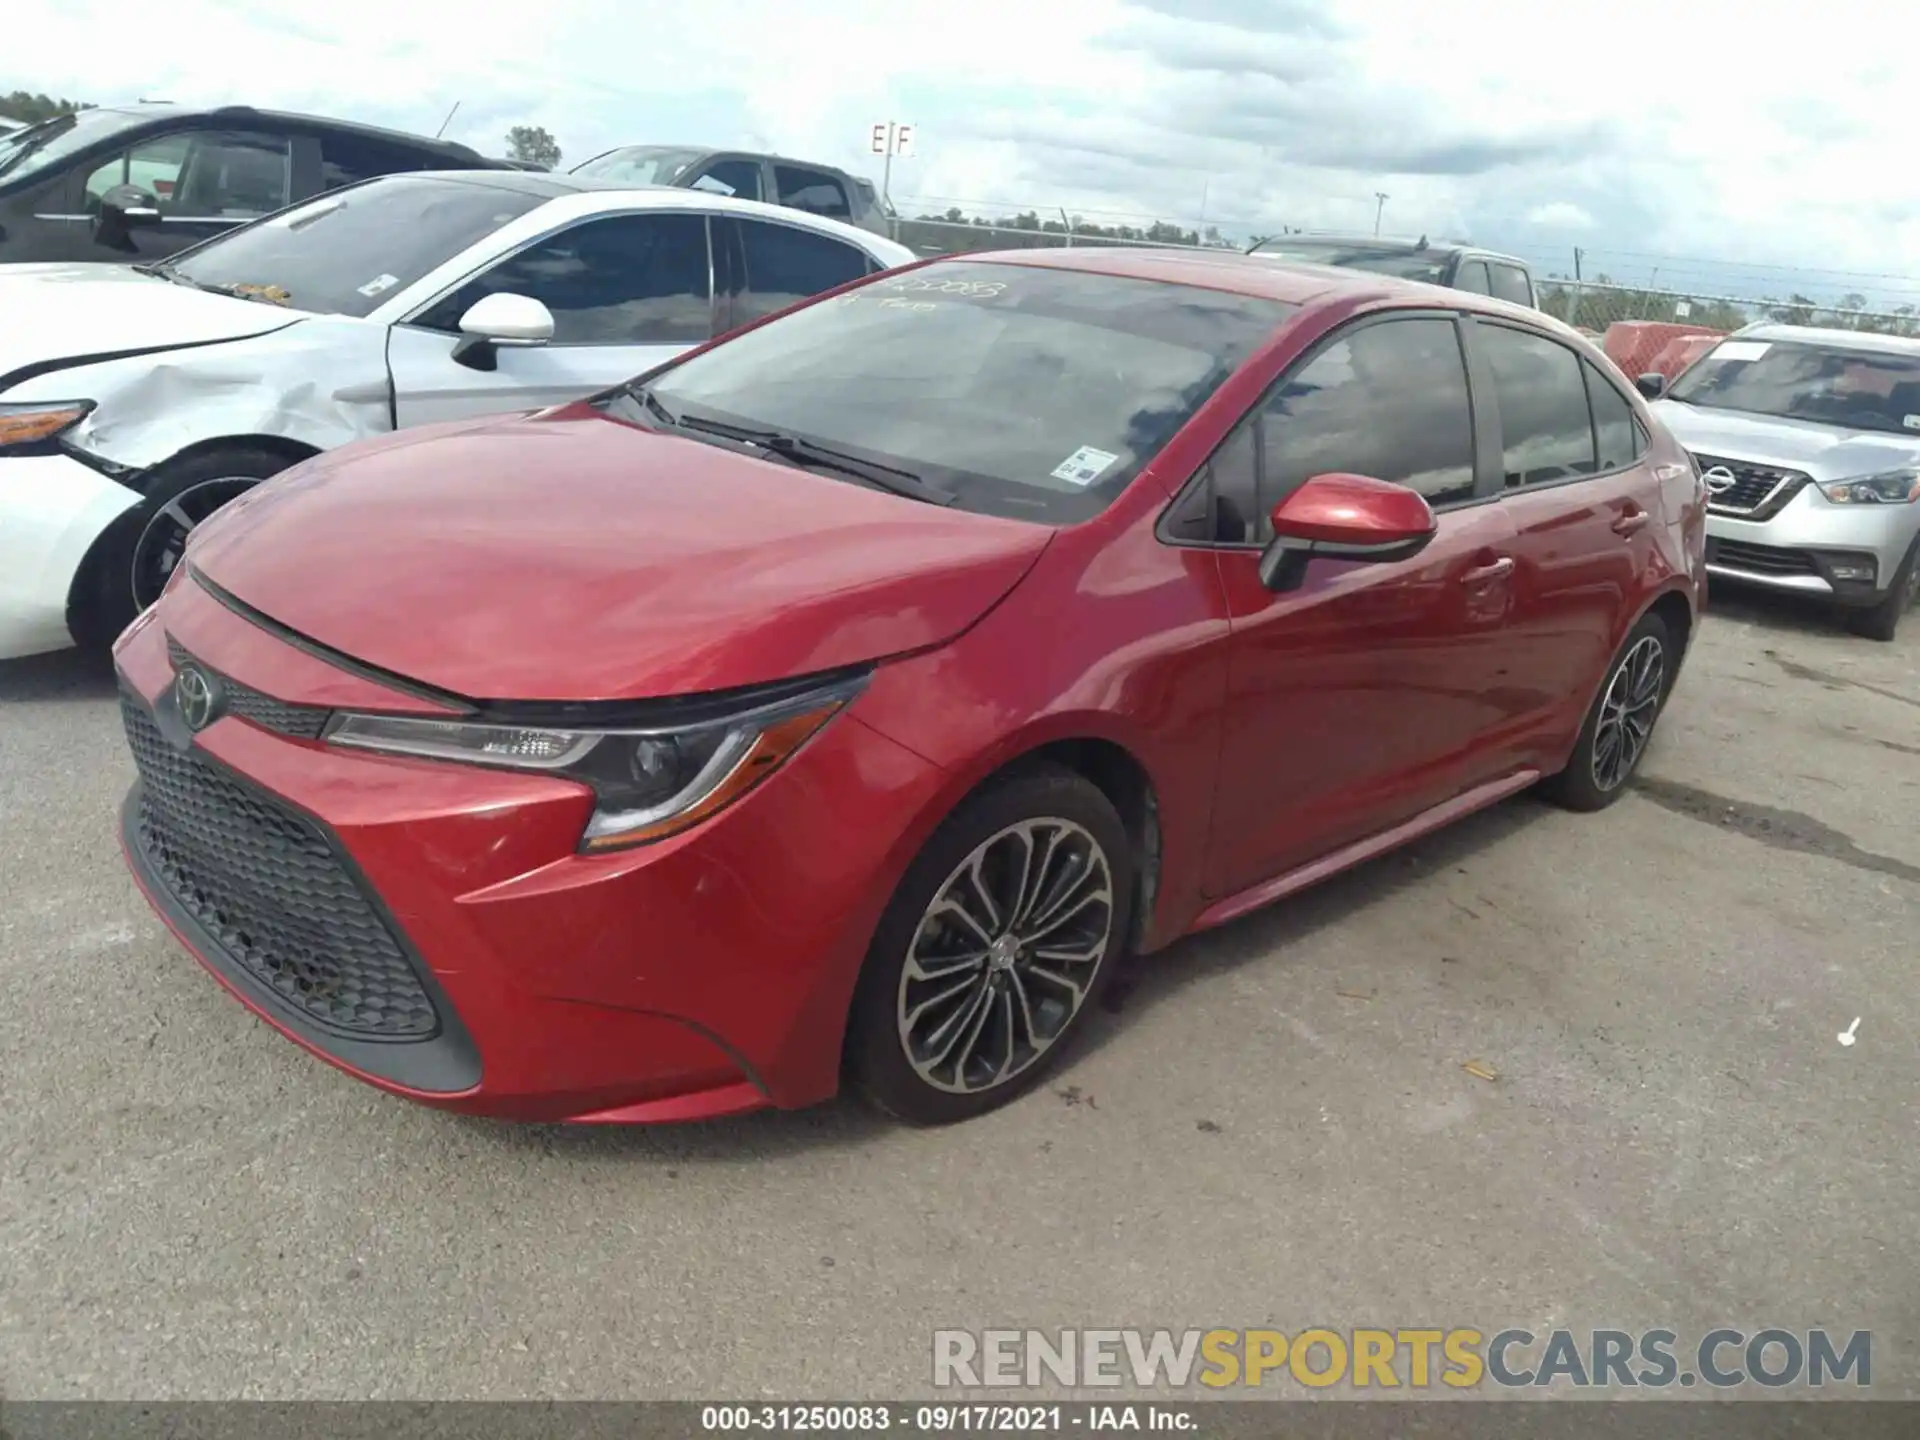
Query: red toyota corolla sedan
850	696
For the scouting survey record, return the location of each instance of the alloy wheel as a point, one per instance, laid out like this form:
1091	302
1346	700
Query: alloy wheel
1627	712
164	539
1005	955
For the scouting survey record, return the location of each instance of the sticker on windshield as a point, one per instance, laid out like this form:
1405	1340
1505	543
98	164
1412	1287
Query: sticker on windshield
1084	466
379	283
1742	350
1912	422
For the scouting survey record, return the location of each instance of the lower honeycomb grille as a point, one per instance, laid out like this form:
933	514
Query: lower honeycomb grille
267	885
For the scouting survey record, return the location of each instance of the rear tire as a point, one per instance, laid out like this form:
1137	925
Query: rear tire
130	562
1619	724
1881	621
996	946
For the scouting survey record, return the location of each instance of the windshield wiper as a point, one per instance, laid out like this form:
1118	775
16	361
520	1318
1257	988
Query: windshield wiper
808	454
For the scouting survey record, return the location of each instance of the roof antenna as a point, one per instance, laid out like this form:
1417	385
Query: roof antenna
1421	243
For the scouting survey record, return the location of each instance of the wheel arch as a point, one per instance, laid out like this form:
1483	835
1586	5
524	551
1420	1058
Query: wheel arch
80	588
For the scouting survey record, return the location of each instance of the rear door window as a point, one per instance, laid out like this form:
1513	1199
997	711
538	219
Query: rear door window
814	191
1617	436
738	178
1473	276
1540	388
1510	283
346	159
786	264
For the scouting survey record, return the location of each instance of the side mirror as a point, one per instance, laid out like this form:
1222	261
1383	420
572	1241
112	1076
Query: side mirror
1344	517
1651	385
497	321
130	206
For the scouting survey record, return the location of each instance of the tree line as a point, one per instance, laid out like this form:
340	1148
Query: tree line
31	109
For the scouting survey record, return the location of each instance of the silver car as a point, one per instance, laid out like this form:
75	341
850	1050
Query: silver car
1809	442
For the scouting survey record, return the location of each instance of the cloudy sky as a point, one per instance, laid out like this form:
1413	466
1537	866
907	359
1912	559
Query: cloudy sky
1719	145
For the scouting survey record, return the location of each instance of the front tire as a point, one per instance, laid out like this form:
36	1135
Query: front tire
130	564
1619	725
1882	621
994	949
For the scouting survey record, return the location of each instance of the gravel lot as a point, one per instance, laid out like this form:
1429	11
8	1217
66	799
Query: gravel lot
1274	1129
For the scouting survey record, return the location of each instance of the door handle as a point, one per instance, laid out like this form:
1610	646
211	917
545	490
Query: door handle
1481	573
1631	523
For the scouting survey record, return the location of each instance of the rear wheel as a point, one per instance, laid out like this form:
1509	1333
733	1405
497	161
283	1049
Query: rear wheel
1614	737
996	946
139	552
1881	621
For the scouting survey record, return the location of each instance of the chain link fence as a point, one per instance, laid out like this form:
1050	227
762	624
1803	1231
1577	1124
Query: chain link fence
1593	306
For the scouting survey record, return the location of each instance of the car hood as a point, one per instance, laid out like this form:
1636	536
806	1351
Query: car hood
1826	452
569	556
55	313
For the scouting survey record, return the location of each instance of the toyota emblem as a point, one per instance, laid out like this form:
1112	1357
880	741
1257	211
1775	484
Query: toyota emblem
194	692
1720	480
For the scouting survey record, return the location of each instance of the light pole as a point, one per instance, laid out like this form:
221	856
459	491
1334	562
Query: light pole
1382	197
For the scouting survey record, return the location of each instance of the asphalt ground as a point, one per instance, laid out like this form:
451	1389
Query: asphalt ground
1274	1128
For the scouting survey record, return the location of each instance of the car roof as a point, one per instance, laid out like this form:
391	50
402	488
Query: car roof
574	196
1839	339
1262	277
706	150
1390	245
161	110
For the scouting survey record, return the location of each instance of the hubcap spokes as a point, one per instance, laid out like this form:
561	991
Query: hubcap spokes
1627	712
1005	955
164	540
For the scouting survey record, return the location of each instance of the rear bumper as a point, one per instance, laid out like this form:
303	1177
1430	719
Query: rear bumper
52	509
1814	547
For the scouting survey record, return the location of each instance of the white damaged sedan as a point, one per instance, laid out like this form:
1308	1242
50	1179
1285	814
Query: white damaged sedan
135	401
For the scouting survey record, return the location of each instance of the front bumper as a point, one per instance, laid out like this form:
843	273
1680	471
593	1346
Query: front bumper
1814	547
446	907
52	509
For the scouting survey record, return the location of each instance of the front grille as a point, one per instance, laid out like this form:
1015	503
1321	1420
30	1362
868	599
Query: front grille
265	883
299	722
1760	559
1758	492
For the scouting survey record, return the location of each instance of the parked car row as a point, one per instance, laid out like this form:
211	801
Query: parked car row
134	402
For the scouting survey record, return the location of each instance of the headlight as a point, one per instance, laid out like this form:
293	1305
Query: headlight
647	784
35	424
1895	487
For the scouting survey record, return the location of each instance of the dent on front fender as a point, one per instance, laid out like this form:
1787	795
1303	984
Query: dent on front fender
320	383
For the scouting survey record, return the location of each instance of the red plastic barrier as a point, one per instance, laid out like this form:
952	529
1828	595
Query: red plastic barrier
1633	344
1680	352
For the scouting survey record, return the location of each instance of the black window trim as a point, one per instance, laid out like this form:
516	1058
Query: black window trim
412	318
1587	369
1487	472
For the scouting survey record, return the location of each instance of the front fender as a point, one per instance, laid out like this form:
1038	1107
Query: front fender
320	383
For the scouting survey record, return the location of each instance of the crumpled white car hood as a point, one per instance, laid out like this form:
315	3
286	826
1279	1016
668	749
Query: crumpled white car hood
53	313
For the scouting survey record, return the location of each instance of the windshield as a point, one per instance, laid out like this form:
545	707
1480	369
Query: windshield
1027	392
29	151
346	252
1804	380
1379	259
640	165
